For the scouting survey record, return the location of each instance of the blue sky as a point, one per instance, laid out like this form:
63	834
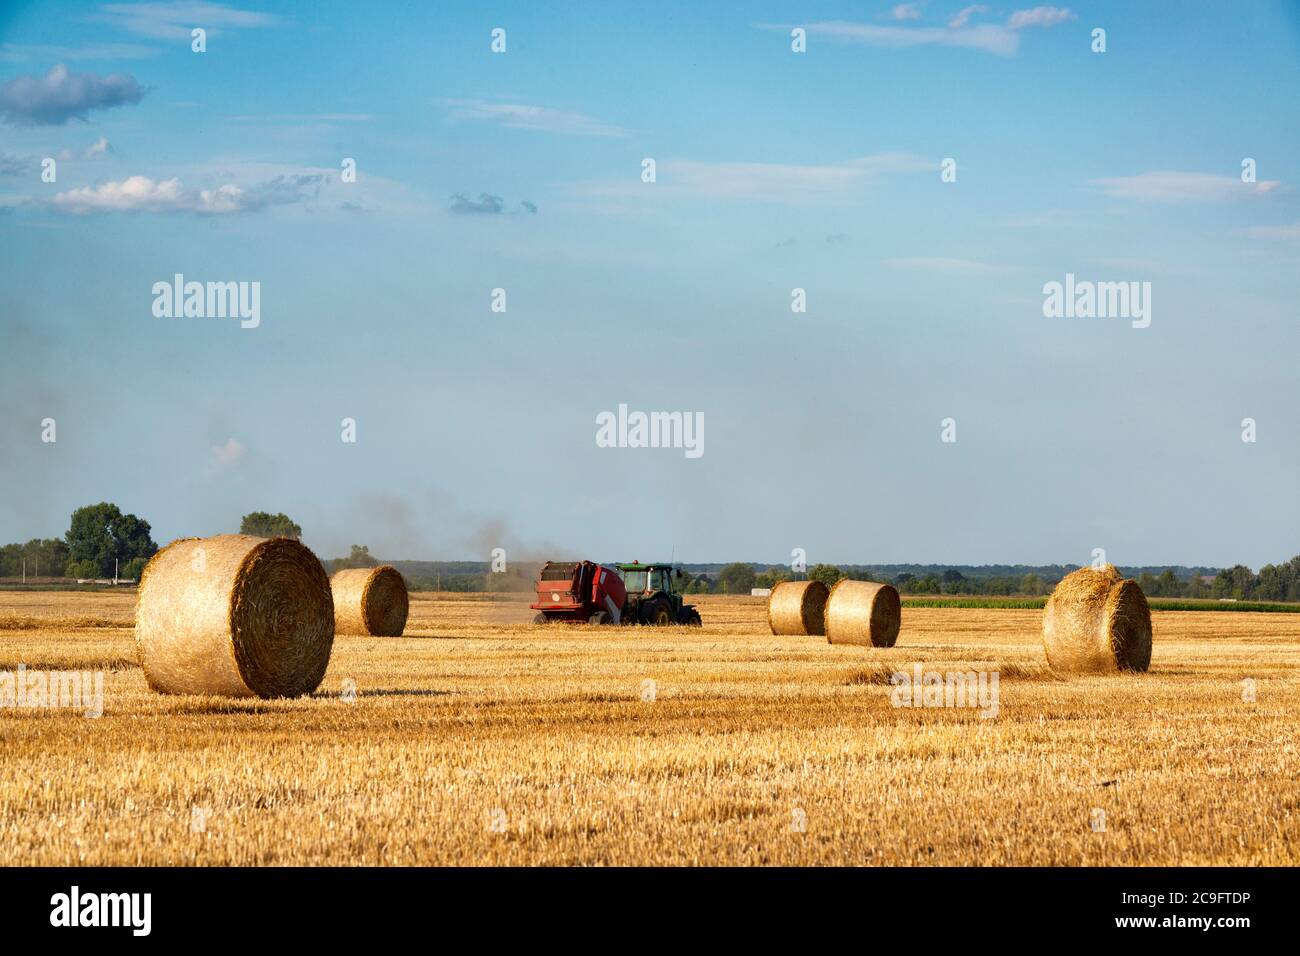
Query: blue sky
775	170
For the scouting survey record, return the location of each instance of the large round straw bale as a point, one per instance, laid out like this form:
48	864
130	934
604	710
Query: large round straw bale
863	612
797	607
370	601
1096	620
234	616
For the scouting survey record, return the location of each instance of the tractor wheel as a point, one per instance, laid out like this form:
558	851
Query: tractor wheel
600	617
541	618
692	618
657	613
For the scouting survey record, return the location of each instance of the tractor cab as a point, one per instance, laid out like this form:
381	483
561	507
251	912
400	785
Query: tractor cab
653	596
648	578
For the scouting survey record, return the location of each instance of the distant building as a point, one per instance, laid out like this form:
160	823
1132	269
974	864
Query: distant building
760	592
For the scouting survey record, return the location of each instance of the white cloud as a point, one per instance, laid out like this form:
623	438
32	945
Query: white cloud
963	17
174	21
906	11
991	39
540	118
100	147
1039	17
230	453
946	265
1001	39
142	194
135	193
1169	186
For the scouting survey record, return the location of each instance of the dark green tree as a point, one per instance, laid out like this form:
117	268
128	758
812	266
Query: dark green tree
827	574
101	534
359	558
132	570
1032	585
84	570
263	524
1167	584
771	578
736	579
926	585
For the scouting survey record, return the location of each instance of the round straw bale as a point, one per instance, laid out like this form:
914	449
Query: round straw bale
797	607
235	616
1096	620
370	601
862	612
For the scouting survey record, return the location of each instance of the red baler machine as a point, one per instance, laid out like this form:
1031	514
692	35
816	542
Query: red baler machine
579	591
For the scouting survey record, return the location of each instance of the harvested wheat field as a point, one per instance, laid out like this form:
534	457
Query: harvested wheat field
479	738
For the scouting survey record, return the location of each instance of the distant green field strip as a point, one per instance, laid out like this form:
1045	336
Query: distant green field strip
1182	604
982	602
1157	604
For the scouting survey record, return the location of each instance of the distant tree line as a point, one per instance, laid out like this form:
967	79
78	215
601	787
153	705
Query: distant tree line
102	541
101	538
1272	583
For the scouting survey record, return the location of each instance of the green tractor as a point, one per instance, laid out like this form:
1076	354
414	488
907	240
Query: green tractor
652	595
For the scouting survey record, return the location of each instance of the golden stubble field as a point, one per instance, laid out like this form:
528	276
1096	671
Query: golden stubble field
480	739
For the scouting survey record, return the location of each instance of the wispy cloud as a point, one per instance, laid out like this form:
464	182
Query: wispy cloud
61	95
174	21
1002	39
45	52
1038	17
15	165
963	17
100	147
947	265
229	453
1169	186
906	11
540	118
770	182
487	205
142	194
11	165
1283	232
303	118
